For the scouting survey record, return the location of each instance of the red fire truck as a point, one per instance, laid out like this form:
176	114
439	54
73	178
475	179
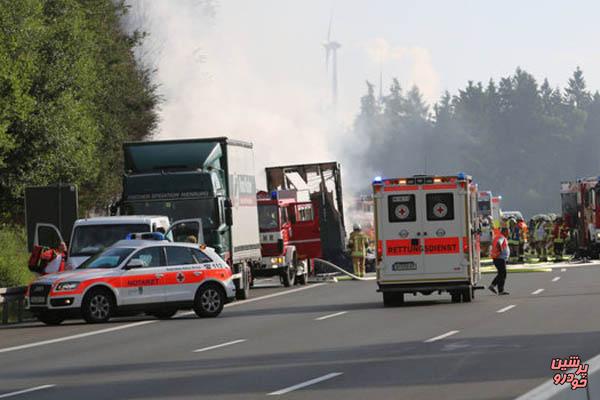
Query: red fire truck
581	212
290	236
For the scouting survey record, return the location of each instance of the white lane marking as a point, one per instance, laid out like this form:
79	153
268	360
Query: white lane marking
78	336
305	384
537	291
219	345
268	296
33	389
132	325
505	309
563	270
445	335
331	315
556	278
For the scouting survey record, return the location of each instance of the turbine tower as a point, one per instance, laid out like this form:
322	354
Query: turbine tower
331	47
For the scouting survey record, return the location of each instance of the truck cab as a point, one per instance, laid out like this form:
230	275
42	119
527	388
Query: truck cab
290	236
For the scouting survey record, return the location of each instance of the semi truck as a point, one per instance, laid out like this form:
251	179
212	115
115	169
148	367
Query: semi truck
427	237
211	179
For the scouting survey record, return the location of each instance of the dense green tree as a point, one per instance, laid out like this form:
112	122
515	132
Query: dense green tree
517	138
71	92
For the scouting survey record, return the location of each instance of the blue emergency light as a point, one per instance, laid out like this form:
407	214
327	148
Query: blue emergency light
461	176
377	179
274	195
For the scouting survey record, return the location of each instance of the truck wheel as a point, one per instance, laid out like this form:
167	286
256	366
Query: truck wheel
289	276
303	279
391	299
50	318
97	306
466	295
243	291
209	301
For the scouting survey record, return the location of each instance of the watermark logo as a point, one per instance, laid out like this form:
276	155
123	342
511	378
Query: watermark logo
570	370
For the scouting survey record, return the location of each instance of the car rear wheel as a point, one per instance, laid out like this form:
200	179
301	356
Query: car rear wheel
50	318
209	301
97	306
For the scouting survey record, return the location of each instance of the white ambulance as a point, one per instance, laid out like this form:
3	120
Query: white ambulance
427	236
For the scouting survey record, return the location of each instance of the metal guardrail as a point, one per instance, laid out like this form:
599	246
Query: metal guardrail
12	301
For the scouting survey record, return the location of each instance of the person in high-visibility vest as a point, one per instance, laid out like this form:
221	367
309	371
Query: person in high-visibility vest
55	259
500	253
560	234
358	243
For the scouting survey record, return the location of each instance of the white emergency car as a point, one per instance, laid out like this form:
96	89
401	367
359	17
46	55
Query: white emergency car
132	276
427	238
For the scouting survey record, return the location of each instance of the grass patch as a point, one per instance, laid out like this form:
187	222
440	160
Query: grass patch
14	257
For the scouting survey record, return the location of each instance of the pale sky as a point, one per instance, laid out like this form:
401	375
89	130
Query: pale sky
257	70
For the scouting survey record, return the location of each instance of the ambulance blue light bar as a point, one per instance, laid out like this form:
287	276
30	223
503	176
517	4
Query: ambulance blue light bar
378	179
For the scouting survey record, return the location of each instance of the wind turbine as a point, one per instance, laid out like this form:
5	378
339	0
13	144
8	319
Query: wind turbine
331	47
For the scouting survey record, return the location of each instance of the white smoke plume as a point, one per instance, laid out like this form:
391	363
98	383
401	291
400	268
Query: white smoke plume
216	79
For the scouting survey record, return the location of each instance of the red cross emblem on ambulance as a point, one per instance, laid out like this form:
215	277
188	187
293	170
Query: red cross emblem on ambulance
440	210
180	277
402	212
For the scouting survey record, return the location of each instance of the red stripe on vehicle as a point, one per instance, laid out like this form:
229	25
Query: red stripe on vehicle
399	188
440	186
402	247
442	245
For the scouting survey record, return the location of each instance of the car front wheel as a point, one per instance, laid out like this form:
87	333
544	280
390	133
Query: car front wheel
209	301
97	306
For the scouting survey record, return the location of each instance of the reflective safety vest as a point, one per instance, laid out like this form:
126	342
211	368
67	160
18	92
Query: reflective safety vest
499	246
358	244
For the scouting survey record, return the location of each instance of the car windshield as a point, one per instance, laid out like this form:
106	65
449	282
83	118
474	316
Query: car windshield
177	210
110	258
92	239
268	216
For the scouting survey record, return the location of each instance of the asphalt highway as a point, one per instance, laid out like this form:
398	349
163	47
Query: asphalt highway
321	341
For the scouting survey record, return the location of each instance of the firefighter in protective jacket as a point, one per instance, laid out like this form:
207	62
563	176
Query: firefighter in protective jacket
560	235
358	244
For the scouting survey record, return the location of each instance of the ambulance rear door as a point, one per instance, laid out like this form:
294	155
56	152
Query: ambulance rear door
472	240
399	230
444	223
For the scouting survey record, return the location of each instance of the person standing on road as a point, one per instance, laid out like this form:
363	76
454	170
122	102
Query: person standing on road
500	254
55	259
358	244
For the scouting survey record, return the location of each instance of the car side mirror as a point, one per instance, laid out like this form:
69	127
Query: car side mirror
135	263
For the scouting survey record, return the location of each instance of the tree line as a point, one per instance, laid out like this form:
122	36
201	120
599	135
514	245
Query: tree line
71	91
517	137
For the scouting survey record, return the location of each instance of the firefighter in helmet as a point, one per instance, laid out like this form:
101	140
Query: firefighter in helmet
358	244
560	234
